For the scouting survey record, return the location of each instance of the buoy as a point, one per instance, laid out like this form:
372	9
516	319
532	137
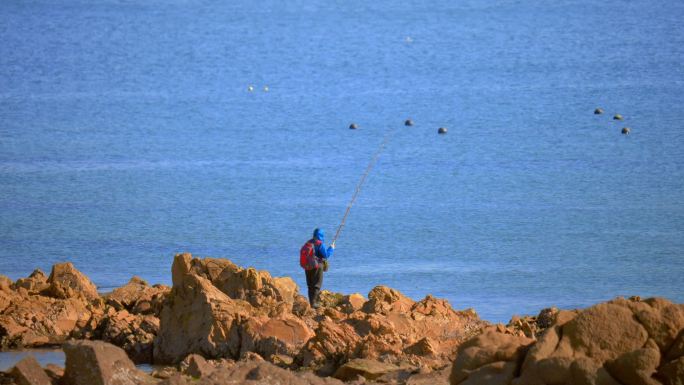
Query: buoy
617	117
265	88
598	111
409	39
408	122
353	126
250	88
442	130
626	131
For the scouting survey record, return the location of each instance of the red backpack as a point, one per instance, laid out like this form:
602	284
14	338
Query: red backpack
307	255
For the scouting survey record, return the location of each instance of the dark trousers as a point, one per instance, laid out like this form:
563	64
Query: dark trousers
314	281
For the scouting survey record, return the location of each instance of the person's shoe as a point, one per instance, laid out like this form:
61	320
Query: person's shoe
316	305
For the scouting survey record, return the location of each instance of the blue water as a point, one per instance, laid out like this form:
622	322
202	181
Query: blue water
127	134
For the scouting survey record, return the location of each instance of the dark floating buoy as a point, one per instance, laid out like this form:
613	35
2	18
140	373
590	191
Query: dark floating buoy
353	126
408	122
598	111
617	117
442	130
626	131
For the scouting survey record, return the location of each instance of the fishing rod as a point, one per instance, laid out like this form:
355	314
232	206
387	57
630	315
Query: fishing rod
361	181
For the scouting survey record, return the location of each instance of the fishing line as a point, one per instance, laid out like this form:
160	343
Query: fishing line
375	157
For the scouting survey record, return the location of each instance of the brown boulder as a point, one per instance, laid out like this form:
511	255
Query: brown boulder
583	345
353	302
5	283
218	309
260	373
28	372
383	300
34	283
333	343
134	333
672	373
66	281
100	363
31	321
368	369
491	356
55	372
390	326
437	377
662	319
636	367
138	297
258	288
197	318
196	366
274	336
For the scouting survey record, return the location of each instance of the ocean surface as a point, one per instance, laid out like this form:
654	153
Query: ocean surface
128	133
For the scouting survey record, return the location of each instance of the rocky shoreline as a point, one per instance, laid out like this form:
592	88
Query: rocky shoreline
224	324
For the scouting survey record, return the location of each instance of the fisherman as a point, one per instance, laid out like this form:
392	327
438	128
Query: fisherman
313	258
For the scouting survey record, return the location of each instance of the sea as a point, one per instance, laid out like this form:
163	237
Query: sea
132	130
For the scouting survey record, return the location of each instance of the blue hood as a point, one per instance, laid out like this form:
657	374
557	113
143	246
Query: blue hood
318	234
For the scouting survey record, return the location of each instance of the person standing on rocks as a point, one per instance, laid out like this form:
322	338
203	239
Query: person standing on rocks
313	257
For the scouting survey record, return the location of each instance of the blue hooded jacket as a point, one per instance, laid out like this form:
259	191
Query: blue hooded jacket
321	251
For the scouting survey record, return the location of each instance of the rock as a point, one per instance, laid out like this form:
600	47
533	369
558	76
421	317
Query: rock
392	326
424	347
34	321
442	130
626	130
28	372
274	336
256	373
135	333
437	377
164	372
353	302
176	379
408	122
353	126
333	342
258	288
218	309
672	373
621	341
676	349
5	283
198	318
196	366
663	320
301	306
636	367
328	299
67	282
532	327
617	117
34	283
368	369
491	356
138	297
100	363
383	300
55	372
546	318
252	373
598	111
